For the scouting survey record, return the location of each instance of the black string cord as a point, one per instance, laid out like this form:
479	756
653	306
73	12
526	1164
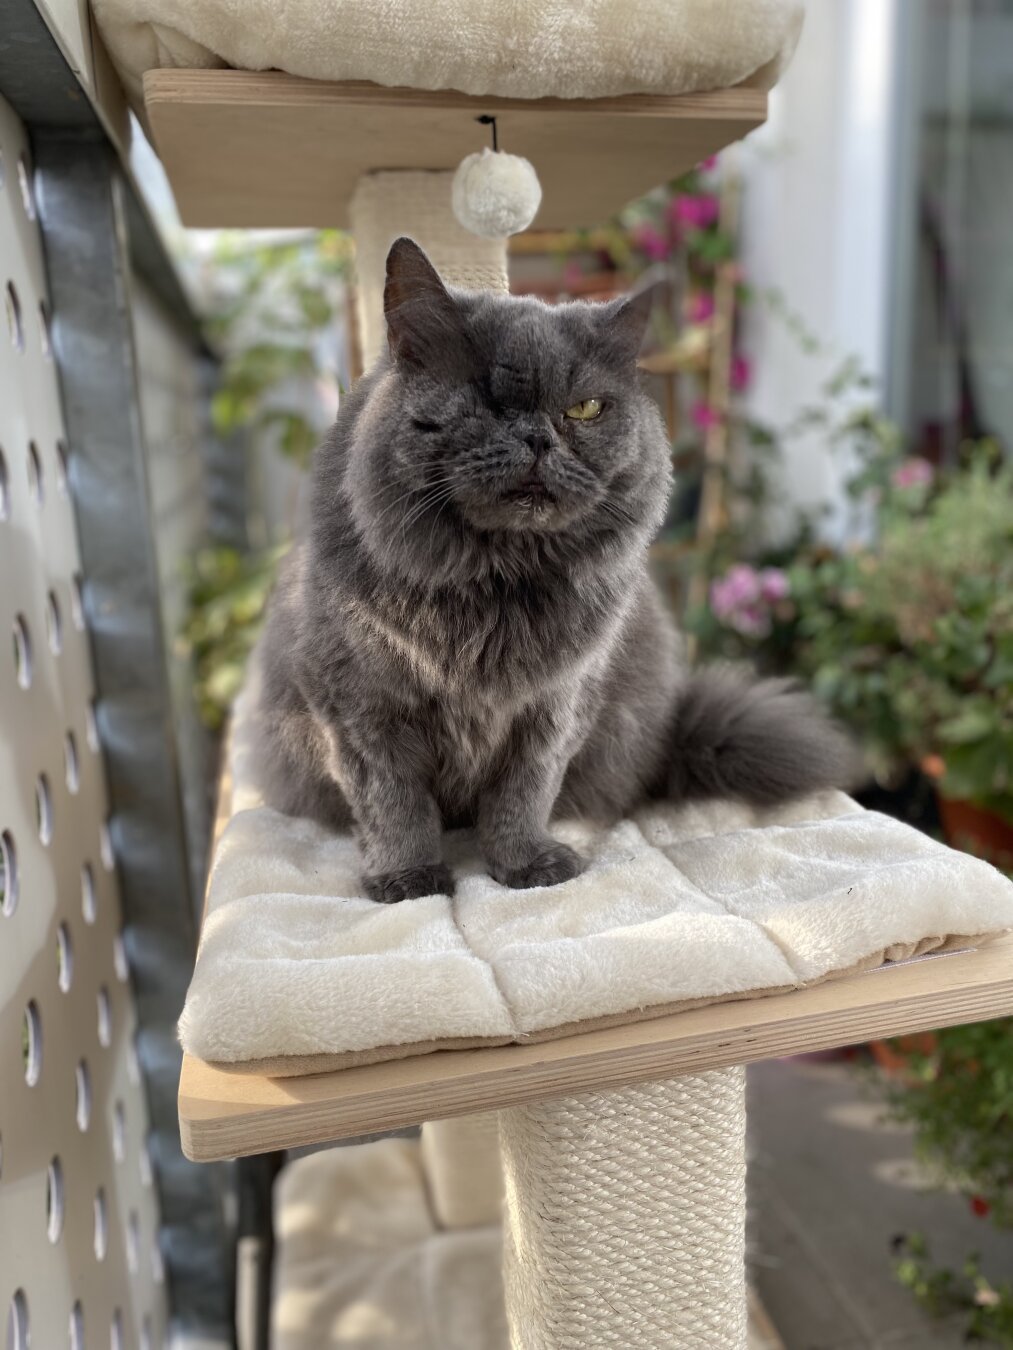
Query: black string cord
488	120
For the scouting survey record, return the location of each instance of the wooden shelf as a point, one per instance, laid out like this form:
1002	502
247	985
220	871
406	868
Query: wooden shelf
225	1115
248	149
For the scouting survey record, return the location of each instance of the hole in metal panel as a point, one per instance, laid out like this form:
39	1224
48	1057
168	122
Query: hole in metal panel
147	1335
89	905
5	489
54	1200
27	184
133	1062
31	1043
116	1332
105	842
91	726
18	1328
22	651
36	483
105	1018
15	327
65	958
45	341
44	809
119	1132
101	1240
77	601
62	468
82	1095
71	762
145	1166
54	623
8	874
77	1327
133	1241
157	1263
120	964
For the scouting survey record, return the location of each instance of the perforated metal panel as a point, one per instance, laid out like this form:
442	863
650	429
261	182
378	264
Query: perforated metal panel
80	1264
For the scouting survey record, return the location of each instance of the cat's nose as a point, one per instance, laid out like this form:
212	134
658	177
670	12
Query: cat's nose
539	441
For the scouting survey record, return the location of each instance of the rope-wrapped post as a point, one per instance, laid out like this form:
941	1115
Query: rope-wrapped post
416	203
624	1217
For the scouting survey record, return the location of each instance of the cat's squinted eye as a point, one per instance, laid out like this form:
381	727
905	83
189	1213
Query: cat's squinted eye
585	411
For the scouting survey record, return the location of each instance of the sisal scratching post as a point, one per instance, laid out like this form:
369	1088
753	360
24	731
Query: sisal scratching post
460	1158
624	1217
416	203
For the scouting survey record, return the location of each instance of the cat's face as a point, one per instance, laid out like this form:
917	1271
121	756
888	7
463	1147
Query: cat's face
508	414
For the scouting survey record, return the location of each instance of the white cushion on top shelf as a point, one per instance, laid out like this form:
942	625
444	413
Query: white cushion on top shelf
574	49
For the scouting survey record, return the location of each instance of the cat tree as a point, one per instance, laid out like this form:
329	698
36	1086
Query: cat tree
620	1151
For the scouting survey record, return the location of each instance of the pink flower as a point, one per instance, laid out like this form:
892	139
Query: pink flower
707	164
741	373
739	587
573	275
700	307
704	416
651	241
696	212
913	473
743	598
774	585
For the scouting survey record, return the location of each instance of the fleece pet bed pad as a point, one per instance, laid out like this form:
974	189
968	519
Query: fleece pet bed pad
298	972
528	49
362	1262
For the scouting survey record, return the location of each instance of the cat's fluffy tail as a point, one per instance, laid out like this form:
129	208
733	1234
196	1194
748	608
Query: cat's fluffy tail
761	741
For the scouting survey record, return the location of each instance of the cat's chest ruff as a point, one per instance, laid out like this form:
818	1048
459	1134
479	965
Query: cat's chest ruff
455	649
469	738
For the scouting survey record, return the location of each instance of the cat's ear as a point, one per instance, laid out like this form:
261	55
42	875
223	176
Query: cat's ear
625	320
422	316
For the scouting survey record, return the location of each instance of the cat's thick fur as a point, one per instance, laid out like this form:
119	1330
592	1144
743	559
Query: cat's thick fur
469	634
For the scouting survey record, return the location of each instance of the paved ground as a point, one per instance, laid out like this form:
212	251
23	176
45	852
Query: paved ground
831	1183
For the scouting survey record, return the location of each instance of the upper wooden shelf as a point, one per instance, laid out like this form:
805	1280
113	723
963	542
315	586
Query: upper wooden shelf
247	149
225	1115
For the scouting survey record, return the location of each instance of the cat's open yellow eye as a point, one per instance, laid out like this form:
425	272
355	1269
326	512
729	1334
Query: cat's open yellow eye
584	411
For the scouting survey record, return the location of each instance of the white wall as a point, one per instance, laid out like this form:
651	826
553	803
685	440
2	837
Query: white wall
817	201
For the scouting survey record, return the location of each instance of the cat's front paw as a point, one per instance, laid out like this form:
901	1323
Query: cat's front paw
555	863
408	883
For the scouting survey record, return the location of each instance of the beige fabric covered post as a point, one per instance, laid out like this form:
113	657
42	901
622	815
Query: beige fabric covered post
396	202
624	1217
461	1162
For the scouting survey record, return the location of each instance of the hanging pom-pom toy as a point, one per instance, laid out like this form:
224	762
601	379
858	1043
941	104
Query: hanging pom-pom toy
494	194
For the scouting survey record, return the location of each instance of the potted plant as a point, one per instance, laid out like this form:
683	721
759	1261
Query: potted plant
908	638
958	1096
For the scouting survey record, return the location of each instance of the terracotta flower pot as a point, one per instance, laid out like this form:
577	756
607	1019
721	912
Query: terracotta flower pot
894	1056
977	830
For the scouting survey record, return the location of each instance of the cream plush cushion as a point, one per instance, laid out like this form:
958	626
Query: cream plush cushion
362	1263
522	49
297	971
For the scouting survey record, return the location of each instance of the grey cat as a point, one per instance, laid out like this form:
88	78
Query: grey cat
469	634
